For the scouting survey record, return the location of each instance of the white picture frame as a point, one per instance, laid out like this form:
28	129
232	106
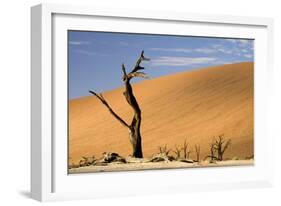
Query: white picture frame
49	177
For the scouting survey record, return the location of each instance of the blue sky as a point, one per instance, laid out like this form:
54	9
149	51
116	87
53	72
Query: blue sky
95	58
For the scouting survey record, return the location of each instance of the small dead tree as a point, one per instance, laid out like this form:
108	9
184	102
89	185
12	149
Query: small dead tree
177	151
212	151
134	127
164	150
220	146
197	151
185	149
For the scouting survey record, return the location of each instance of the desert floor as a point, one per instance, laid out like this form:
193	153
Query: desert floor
158	165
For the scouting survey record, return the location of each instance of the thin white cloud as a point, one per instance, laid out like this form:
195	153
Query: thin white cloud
222	49
78	43
238	47
184	50
89	53
86	52
226	51
242	43
204	50
181	61
249	56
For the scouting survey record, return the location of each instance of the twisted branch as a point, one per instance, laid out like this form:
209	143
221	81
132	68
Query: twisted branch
103	101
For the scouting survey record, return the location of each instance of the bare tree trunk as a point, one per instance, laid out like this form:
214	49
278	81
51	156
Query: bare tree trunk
134	130
134	127
197	150
135	139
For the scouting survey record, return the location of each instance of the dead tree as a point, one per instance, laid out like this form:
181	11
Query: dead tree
186	151
177	151
212	151
220	145
134	127
164	150
197	151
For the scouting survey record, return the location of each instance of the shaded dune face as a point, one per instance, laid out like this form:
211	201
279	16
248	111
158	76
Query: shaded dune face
194	105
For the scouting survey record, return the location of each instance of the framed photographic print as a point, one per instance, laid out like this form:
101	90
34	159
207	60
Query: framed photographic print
122	100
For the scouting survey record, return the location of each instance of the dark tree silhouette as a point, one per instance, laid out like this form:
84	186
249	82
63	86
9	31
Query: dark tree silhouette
134	127
177	151
197	151
186	150
164	150
220	146
212	150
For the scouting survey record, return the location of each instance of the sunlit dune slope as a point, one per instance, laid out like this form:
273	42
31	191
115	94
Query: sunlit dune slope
194	105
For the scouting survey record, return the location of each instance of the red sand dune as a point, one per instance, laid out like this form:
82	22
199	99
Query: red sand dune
194	105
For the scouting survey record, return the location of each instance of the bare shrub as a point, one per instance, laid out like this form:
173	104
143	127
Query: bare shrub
197	151
177	151
185	149
164	150
212	150
218	147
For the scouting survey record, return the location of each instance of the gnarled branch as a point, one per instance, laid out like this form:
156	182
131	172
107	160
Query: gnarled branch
101	98
137	74
134	72
226	145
